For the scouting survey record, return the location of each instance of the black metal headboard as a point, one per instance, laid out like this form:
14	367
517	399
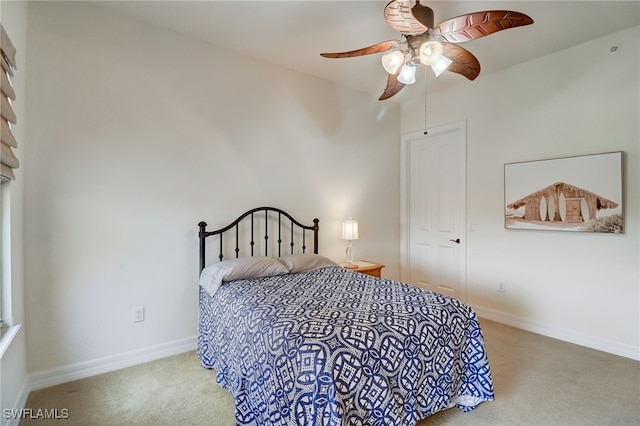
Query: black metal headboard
261	220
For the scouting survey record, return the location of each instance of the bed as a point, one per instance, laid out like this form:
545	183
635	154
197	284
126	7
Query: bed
298	340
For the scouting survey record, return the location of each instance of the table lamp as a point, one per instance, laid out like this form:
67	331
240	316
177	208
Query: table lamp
350	233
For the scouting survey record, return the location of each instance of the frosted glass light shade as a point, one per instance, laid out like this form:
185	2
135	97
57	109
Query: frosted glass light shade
392	62
440	65
408	74
430	52
350	230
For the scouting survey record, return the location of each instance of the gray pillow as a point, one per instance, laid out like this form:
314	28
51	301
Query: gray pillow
238	269
305	262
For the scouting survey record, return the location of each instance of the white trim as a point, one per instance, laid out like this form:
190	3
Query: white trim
8	333
404	220
21	402
81	370
545	329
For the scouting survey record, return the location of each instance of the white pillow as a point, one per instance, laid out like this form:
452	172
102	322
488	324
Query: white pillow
213	275
305	262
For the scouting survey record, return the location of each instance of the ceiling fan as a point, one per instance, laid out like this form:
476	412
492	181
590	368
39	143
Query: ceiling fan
435	46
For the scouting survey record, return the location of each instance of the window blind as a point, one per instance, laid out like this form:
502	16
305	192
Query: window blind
8	160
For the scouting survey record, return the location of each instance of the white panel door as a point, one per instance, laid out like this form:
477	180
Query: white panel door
434	191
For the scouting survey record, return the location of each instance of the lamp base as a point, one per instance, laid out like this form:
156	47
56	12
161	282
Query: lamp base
350	266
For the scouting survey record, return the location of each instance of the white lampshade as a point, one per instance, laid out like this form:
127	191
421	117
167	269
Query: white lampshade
430	52
350	229
440	65
392	62
408	74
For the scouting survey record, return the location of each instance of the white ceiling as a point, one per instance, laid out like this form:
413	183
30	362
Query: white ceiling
294	33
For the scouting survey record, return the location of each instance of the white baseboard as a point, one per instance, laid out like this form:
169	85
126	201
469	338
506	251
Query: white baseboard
616	348
21	402
81	370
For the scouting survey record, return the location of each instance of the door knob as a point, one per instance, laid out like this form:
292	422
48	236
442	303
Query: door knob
457	241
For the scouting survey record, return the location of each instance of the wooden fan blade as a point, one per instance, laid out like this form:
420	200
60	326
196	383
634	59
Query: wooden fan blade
399	17
479	24
464	63
376	48
393	87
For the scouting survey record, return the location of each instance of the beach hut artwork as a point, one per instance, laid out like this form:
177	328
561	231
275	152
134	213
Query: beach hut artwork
582	193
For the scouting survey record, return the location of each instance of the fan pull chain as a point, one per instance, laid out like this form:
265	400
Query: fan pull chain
425	101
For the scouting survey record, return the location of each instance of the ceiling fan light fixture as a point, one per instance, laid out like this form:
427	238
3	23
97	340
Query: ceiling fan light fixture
427	43
441	65
392	62
408	74
430	52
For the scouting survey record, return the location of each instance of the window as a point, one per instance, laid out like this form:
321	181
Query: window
5	256
8	329
8	163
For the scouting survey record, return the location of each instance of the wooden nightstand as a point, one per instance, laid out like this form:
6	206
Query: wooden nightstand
373	269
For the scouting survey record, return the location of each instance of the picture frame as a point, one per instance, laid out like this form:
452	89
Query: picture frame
577	194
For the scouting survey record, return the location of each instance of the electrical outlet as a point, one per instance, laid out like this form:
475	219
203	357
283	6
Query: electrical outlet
138	314
502	287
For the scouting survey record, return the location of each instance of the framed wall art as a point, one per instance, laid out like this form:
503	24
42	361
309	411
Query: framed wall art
580	194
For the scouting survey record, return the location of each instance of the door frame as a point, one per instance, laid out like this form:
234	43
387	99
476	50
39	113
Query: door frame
406	139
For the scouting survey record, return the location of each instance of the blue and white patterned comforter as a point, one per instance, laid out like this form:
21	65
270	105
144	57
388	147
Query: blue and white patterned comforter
336	347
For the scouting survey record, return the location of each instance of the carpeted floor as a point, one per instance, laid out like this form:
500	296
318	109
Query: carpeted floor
537	380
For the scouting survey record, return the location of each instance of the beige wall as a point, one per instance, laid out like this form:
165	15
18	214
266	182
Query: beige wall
583	288
136	135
